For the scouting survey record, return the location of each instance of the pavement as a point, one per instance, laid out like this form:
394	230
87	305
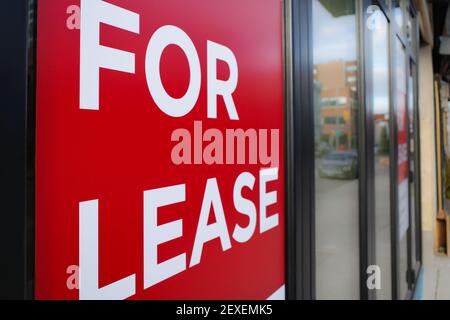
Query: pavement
436	272
337	244
337	239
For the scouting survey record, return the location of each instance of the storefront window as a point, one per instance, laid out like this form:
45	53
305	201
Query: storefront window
336	152
381	110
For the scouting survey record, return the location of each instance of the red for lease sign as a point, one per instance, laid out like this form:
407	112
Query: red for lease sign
159	150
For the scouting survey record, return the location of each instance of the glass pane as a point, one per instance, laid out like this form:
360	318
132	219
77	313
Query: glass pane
403	165
397	10
412	32
381	108
336	138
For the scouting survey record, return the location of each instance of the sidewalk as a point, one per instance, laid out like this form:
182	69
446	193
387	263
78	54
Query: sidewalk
436	272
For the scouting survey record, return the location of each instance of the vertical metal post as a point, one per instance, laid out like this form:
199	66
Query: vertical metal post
303	141
14	162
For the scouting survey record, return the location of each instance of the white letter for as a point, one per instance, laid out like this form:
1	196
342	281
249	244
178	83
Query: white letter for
267	199
89	289
93	56
154	235
218	87
244	206
207	232
163	37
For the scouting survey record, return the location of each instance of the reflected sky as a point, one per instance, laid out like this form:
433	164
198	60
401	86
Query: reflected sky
380	63
334	38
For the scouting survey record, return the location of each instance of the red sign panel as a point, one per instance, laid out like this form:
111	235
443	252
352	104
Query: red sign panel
159	160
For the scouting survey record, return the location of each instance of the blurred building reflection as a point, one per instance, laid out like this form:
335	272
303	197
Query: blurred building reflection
338	103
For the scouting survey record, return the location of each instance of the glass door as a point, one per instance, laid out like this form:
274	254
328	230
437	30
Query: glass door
408	249
379	102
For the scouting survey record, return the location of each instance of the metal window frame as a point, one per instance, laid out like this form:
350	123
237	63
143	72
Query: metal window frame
301	229
366	156
367	234
291	248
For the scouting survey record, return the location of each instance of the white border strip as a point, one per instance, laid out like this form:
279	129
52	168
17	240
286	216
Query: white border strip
280	294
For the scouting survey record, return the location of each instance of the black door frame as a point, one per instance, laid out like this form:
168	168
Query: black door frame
17	83
300	233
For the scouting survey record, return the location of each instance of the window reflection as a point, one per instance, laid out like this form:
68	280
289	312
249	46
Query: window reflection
336	139
381	110
398	12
